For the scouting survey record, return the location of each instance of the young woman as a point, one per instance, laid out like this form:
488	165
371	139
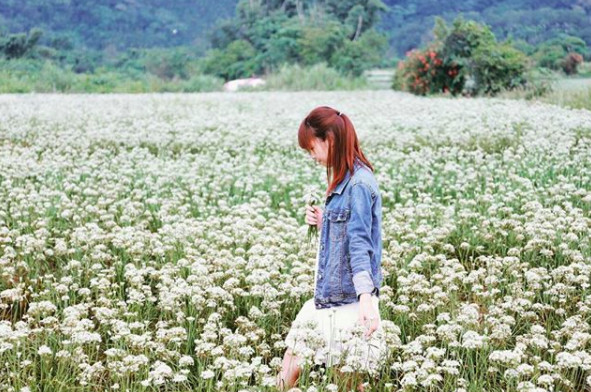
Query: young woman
348	265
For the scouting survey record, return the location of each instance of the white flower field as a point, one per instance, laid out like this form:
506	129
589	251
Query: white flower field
158	243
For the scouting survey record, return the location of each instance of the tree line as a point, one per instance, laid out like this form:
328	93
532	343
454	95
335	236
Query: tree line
262	36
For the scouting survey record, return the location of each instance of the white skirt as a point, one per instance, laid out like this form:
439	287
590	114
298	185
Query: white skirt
333	336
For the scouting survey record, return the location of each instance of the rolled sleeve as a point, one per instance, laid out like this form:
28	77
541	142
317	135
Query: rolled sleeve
359	234
363	283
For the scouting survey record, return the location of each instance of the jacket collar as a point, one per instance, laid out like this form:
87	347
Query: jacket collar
339	188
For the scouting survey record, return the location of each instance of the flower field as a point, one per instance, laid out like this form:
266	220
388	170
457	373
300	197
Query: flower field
158	242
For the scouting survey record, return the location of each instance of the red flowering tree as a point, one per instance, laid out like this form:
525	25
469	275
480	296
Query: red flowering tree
425	72
457	54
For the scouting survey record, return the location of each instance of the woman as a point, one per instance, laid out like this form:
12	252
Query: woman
348	265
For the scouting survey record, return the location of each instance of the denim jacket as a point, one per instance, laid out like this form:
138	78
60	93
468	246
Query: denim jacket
350	251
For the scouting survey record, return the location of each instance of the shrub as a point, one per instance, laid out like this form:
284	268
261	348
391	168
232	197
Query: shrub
497	67
293	77
553	53
53	78
14	46
238	60
424	73
354	57
466	58
571	62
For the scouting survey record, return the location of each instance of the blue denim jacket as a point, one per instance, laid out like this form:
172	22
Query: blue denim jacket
350	251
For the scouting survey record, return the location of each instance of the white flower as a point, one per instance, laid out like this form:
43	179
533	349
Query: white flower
408	380
41	308
505	357
207	374
186	360
473	340
44	350
332	387
545	379
567	360
160	372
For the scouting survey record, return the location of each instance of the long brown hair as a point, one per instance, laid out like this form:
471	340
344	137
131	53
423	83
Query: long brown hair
325	123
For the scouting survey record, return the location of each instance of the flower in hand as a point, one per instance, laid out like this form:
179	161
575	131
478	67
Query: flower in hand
313	216
367	314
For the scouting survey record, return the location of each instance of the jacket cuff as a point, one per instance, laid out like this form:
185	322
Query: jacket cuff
363	283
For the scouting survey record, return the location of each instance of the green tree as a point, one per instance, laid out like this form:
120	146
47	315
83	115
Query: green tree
285	47
300	31
465	52
552	53
318	43
356	56
238	60
358	16
14	46
498	66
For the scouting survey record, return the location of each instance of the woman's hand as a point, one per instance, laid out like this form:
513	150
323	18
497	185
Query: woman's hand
367	314
314	216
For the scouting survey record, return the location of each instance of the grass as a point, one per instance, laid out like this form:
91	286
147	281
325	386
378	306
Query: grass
558	89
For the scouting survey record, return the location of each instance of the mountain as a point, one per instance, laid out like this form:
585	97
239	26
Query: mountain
120	24
409	22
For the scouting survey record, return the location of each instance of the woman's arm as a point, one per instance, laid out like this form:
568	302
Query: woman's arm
361	251
359	234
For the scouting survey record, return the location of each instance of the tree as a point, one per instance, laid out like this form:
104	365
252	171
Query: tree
466	51
357	56
14	46
301	31
236	61
554	52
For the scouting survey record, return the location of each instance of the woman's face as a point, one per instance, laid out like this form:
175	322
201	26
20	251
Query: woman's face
319	150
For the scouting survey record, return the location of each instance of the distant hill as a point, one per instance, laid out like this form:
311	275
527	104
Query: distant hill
120	24
409	22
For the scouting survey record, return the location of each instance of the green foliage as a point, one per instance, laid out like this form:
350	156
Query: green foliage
464	38
167	64
155	23
14	46
109	44
524	47
236	61
284	47
528	21
119	24
318	43
354	57
465	58
294	77
584	69
560	53
266	34
28	75
497	67
358	16
549	56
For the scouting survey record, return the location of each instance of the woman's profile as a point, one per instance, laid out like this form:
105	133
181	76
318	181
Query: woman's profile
348	274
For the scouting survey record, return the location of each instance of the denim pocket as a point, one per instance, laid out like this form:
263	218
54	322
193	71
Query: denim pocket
337	223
